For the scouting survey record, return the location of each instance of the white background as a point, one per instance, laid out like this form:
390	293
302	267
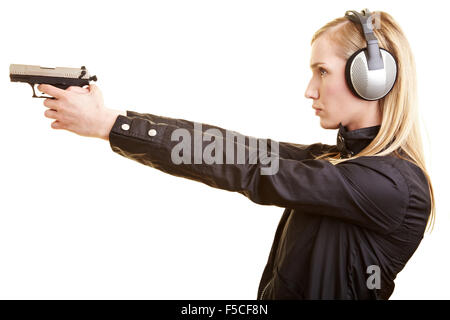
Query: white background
78	221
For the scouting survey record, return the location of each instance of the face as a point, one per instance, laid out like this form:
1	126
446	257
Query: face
328	90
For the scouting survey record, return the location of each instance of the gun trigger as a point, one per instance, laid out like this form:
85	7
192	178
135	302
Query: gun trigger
34	93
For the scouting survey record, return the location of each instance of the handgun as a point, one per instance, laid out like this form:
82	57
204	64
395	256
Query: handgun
59	77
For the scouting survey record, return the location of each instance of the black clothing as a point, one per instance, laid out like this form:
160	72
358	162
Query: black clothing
339	220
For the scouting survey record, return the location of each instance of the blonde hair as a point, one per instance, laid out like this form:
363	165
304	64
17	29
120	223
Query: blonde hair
399	131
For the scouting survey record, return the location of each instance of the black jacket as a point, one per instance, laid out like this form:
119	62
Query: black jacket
344	226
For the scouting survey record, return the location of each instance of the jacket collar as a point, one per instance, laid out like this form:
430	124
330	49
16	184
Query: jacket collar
352	142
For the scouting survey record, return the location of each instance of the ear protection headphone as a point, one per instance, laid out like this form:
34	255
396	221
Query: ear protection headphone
372	71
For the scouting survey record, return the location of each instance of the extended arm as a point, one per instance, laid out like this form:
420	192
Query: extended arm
367	191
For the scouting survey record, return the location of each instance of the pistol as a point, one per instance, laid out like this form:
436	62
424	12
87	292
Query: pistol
58	77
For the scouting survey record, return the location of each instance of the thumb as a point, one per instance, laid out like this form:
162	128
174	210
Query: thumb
94	90
93	87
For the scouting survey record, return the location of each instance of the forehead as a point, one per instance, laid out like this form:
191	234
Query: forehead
324	50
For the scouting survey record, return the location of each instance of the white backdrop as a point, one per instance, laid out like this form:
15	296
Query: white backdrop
78	221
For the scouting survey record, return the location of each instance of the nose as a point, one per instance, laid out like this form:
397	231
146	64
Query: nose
311	91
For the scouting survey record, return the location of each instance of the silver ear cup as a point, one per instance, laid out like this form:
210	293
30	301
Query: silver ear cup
370	84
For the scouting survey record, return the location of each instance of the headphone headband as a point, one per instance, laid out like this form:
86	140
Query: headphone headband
374	59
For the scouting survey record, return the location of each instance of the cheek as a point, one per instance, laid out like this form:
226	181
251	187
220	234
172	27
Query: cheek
337	99
336	96
336	88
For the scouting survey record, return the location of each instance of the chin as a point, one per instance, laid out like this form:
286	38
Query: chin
328	125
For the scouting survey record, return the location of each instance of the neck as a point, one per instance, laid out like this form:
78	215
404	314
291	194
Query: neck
371	117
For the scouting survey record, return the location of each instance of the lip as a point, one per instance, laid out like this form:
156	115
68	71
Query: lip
317	109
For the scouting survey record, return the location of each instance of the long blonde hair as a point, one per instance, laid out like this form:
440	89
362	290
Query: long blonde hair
399	126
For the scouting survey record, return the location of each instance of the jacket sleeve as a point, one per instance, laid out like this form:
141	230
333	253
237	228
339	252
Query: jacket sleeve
366	191
287	150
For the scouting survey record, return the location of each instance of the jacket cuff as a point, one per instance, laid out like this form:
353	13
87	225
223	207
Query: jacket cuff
126	129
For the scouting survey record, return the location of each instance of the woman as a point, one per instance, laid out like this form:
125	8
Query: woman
355	212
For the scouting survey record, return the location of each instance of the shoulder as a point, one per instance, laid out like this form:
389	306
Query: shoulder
391	177
395	167
381	184
386	167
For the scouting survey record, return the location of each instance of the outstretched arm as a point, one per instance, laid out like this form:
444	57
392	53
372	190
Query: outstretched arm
366	191
82	111
286	150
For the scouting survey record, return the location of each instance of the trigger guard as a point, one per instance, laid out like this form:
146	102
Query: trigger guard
34	93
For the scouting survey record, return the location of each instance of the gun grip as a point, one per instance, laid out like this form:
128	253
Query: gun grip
34	93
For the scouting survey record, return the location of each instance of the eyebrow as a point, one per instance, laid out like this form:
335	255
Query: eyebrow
316	64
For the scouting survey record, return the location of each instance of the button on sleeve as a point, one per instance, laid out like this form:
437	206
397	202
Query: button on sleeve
133	127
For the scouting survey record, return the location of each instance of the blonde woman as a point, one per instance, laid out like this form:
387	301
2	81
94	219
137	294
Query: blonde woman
354	212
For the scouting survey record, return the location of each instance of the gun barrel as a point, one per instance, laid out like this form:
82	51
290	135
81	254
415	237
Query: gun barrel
58	76
56	72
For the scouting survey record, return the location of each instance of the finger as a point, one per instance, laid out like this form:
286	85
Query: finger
77	89
52	114
57	125
51	103
51	90
93	87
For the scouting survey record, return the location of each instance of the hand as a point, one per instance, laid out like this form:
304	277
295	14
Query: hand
79	110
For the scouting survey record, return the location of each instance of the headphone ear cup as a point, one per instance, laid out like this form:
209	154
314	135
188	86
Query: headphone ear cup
348	78
370	84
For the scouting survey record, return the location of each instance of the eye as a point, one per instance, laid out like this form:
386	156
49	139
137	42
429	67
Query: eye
322	71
